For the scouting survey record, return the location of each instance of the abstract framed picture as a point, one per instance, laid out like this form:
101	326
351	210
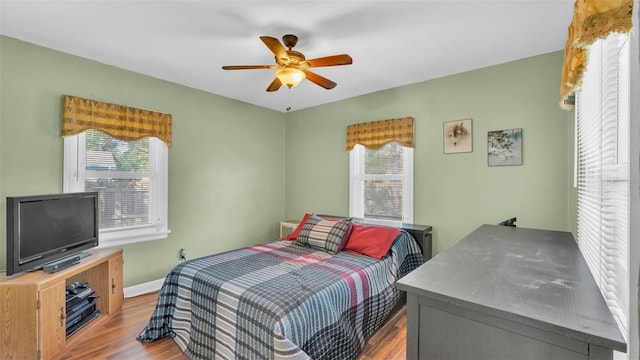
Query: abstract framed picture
504	147
457	136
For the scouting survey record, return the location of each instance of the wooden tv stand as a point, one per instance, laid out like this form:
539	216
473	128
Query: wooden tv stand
34	311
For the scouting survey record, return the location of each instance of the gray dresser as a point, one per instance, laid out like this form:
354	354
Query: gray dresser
508	293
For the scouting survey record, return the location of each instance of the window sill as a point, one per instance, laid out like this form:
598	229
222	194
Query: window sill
377	221
126	237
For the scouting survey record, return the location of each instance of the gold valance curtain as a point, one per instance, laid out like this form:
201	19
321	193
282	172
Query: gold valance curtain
374	135
121	122
592	20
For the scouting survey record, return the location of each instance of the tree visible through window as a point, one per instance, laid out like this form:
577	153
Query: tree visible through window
123	201
383	198
130	177
381	183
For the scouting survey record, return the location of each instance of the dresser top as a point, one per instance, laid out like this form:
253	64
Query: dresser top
534	277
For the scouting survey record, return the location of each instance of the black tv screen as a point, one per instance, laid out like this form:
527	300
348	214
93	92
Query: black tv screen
45	228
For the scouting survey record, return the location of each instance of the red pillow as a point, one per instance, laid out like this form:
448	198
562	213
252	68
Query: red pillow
371	240
294	234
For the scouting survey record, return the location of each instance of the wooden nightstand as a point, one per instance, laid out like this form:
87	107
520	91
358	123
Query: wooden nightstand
287	227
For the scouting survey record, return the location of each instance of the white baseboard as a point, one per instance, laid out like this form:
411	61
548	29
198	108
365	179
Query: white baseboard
144	288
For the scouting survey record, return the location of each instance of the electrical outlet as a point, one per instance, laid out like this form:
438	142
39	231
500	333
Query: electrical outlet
182	255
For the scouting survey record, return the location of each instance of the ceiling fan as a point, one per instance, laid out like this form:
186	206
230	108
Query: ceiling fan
291	66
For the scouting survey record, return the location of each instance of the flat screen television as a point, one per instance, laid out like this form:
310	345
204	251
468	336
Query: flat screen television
44	228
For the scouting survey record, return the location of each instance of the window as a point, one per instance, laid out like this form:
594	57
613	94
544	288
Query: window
602	171
131	177
381	183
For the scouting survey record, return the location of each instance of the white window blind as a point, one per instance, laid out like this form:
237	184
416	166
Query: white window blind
381	183
602	171
131	177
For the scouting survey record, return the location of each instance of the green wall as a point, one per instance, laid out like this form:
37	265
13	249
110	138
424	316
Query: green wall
226	174
454	193
229	185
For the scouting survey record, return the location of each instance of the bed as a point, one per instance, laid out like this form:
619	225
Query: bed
292	299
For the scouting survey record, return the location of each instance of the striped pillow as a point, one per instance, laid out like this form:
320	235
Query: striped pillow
329	236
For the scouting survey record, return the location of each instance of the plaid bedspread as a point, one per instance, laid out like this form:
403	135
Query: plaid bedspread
279	300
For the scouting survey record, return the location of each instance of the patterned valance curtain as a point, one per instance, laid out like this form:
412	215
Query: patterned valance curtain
121	122
374	135
592	20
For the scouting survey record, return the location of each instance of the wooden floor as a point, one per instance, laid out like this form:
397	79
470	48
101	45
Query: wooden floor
115	338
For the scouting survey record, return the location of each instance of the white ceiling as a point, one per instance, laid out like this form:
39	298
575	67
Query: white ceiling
392	43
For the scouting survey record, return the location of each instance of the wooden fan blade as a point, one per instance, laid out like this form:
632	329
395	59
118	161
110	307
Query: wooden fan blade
275	85
276	47
319	80
248	67
334	60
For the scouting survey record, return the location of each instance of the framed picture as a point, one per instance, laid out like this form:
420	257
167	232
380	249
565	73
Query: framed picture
504	147
457	136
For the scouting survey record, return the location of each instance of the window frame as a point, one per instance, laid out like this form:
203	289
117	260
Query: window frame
74	174
604	183
357	177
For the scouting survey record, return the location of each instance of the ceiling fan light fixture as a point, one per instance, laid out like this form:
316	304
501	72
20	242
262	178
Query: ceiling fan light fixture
292	67
290	76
